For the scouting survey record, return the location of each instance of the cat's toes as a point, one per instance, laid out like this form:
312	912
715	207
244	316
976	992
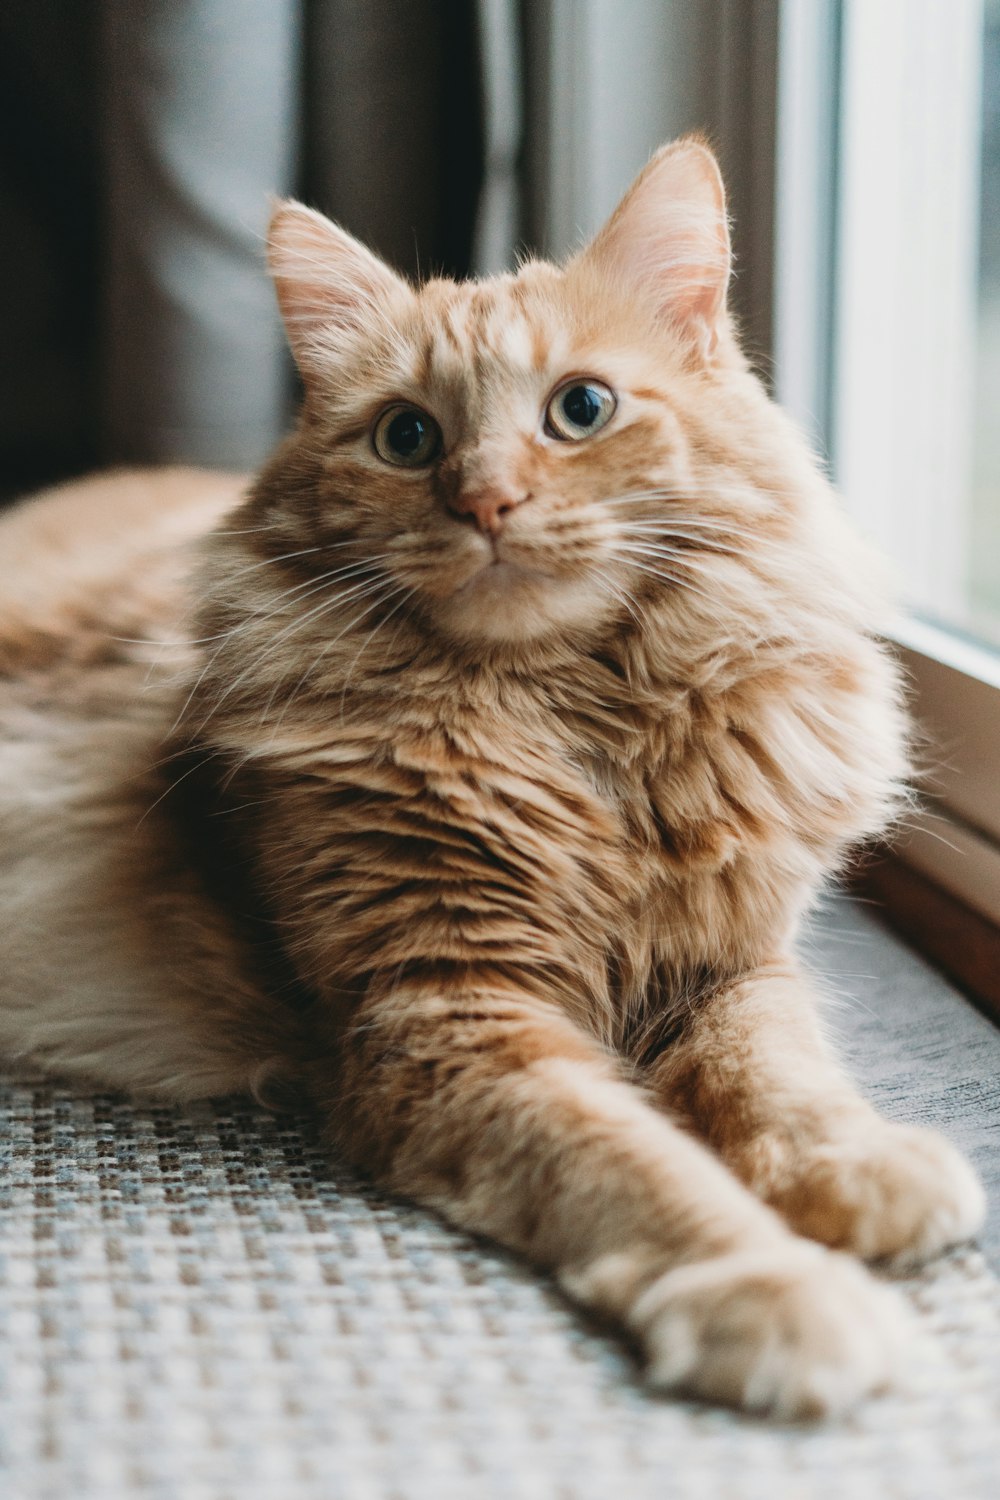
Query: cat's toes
894	1192
796	1332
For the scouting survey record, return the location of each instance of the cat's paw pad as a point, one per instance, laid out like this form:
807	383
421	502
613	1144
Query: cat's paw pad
796	1332
894	1192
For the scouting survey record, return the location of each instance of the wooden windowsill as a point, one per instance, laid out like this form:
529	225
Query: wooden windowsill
961	942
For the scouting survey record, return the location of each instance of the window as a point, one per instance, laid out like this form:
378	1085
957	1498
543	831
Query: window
905	320
914	411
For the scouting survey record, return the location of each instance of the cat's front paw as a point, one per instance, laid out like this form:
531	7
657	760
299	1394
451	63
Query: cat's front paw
884	1191
795	1332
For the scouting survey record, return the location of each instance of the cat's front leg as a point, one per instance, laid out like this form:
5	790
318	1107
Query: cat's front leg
491	1107
753	1072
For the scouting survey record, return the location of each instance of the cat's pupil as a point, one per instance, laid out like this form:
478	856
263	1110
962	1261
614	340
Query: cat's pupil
406	433
581	406
578	411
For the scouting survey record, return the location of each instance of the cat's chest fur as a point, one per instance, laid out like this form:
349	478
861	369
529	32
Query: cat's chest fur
618	838
714	870
647	831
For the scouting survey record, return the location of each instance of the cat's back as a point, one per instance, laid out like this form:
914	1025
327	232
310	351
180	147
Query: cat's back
104	918
99	563
94	651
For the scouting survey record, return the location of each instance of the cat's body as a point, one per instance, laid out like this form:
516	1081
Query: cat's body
507	753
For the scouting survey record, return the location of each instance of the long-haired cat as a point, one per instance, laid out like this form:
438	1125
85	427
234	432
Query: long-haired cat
524	703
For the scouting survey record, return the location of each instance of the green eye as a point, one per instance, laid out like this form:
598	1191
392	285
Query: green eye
406	435
579	409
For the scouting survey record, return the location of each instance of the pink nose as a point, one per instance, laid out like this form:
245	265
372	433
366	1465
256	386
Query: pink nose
489	508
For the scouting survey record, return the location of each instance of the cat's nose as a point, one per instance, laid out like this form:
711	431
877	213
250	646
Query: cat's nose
489	508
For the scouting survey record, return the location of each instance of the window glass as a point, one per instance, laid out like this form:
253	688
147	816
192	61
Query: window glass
915	408
984	552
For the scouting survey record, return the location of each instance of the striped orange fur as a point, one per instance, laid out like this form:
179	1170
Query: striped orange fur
478	798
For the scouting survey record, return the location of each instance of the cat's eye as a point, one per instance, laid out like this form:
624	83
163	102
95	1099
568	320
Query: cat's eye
579	409
406	435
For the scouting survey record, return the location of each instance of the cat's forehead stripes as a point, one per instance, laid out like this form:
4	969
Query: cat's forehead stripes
492	332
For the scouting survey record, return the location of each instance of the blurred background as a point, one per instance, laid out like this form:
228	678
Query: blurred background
860	140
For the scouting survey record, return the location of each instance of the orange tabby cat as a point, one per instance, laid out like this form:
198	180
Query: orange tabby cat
530	697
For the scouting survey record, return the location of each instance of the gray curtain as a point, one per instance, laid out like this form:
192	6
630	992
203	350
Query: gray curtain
200	124
49	242
144	141
393	125
368	108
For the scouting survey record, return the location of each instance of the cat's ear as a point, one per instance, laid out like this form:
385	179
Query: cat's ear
668	239
330	288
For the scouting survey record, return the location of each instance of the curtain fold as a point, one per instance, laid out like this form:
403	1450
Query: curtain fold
500	212
49	245
393	126
200	123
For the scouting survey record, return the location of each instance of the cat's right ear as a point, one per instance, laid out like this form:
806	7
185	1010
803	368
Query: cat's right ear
668	241
330	288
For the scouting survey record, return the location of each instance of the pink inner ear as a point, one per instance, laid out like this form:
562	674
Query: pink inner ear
669	238
327	283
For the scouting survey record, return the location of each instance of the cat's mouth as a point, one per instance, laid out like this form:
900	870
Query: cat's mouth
504	572
503	591
516	600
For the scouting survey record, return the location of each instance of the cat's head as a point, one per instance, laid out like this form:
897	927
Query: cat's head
545	451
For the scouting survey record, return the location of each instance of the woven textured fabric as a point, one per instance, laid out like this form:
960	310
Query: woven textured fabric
196	1305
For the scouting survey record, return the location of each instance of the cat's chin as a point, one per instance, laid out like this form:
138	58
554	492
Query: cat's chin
514	602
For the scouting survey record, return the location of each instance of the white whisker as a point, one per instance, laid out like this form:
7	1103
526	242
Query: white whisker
268	561
664	534
242	530
370	637
305	589
662	573
311	667
365	587
683	559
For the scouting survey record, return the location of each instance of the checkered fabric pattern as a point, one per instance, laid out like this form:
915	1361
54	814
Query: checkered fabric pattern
195	1304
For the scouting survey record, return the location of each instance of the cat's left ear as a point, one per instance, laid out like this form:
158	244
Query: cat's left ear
331	288
668	240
